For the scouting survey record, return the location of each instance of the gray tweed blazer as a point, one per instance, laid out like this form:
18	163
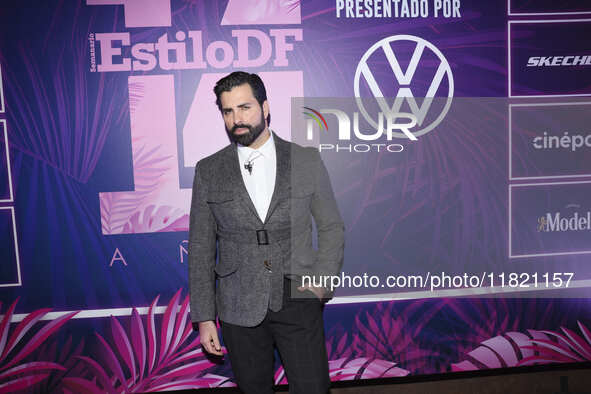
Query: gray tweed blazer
251	265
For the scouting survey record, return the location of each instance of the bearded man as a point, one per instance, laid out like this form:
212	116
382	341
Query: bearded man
251	211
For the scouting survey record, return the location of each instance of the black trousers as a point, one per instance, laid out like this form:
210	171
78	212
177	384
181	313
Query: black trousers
298	332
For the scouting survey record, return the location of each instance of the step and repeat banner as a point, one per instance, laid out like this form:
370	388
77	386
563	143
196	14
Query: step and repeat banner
467	233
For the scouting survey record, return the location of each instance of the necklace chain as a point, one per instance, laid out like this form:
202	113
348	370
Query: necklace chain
250	160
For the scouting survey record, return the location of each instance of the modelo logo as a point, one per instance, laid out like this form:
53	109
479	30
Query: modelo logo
554	222
404	80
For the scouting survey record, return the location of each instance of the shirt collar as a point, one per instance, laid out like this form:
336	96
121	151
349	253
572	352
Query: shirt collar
267	149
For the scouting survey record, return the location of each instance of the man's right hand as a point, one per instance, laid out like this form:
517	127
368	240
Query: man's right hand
208	334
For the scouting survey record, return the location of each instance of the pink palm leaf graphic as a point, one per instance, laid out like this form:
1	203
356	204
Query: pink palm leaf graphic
382	333
565	347
534	347
501	351
145	360
358	368
14	349
64	354
364	368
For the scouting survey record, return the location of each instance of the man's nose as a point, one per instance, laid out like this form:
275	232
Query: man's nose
238	118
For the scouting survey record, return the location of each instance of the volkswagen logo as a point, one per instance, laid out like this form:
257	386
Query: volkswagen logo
404	80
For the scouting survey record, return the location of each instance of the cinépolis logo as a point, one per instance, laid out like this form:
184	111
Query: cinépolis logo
567	141
556	222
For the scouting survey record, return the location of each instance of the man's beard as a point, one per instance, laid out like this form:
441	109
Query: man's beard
248	137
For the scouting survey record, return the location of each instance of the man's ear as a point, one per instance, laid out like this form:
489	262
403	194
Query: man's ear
266	110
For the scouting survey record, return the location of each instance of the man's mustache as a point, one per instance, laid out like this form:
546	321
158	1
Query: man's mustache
242	126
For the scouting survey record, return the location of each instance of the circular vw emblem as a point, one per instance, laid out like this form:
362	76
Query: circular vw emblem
404	80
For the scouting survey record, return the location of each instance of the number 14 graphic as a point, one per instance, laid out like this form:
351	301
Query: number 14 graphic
157	203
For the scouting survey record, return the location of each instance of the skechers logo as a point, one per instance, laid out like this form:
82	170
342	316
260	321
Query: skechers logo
552	61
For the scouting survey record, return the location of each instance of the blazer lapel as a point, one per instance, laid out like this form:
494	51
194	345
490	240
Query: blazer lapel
282	174
236	180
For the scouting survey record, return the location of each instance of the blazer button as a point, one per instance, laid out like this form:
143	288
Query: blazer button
267	265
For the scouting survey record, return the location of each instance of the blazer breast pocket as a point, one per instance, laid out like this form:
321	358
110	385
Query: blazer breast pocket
219	196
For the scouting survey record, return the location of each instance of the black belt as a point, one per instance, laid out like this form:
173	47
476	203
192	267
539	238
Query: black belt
259	237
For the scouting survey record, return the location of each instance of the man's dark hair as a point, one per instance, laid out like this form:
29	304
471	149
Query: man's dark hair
238	78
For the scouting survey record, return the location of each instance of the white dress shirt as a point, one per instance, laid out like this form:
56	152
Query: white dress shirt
261	183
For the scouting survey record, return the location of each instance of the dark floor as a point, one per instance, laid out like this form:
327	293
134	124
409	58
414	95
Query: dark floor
579	382
561	380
